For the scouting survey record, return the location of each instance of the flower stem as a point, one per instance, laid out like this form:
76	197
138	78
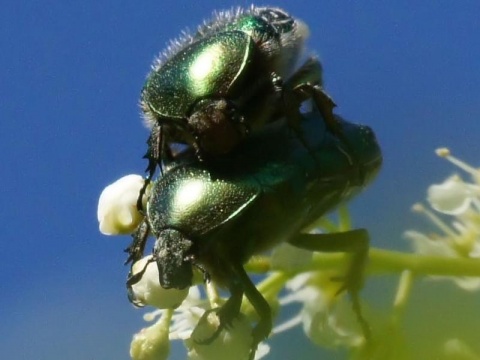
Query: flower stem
387	261
212	295
384	261
380	262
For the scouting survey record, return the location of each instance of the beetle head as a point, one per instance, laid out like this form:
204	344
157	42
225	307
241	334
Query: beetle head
172	252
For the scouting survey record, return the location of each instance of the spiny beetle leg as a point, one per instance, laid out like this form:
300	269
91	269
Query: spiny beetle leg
154	142
310	72
296	91
132	279
137	247
264	326
157	151
226	313
353	241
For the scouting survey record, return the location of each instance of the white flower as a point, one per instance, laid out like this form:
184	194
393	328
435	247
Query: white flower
185	317
327	317
460	202
191	323
152	343
148	290
234	342
423	244
330	324
117	207
456	349
452	197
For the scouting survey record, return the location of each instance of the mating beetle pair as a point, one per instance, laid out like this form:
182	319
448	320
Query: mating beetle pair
256	170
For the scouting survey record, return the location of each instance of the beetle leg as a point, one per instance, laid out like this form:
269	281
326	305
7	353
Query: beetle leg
135	253
132	279
353	241
309	74
325	105
231	309
313	90
264	326
155	143
158	151
226	313
305	84
202	269
139	240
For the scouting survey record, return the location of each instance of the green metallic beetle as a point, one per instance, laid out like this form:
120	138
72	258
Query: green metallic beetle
270	189
236	73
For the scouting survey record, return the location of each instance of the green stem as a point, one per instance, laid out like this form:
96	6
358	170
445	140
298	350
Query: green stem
390	262
166	318
273	283
212	295
384	261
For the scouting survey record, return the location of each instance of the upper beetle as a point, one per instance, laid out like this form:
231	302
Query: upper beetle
230	77
271	188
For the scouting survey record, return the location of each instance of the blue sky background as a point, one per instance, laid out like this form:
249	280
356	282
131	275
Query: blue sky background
71	73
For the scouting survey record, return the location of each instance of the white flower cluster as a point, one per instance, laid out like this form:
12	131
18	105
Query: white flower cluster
459	200
192	323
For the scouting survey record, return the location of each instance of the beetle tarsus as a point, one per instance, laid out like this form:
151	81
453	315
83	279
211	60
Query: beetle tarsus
226	314
203	270
139	240
264	326
353	241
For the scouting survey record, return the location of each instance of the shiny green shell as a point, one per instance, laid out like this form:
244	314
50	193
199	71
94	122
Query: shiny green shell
188	198
216	67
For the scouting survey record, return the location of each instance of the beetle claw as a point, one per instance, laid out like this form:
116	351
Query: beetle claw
225	321
218	330
225	314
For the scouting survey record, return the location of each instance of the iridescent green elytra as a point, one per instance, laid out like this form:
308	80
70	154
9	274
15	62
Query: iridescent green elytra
219	66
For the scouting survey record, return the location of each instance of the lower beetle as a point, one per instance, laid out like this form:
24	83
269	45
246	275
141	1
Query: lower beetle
270	189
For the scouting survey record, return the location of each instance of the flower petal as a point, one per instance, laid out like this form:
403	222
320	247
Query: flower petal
152	342
452	197
117	211
148	290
